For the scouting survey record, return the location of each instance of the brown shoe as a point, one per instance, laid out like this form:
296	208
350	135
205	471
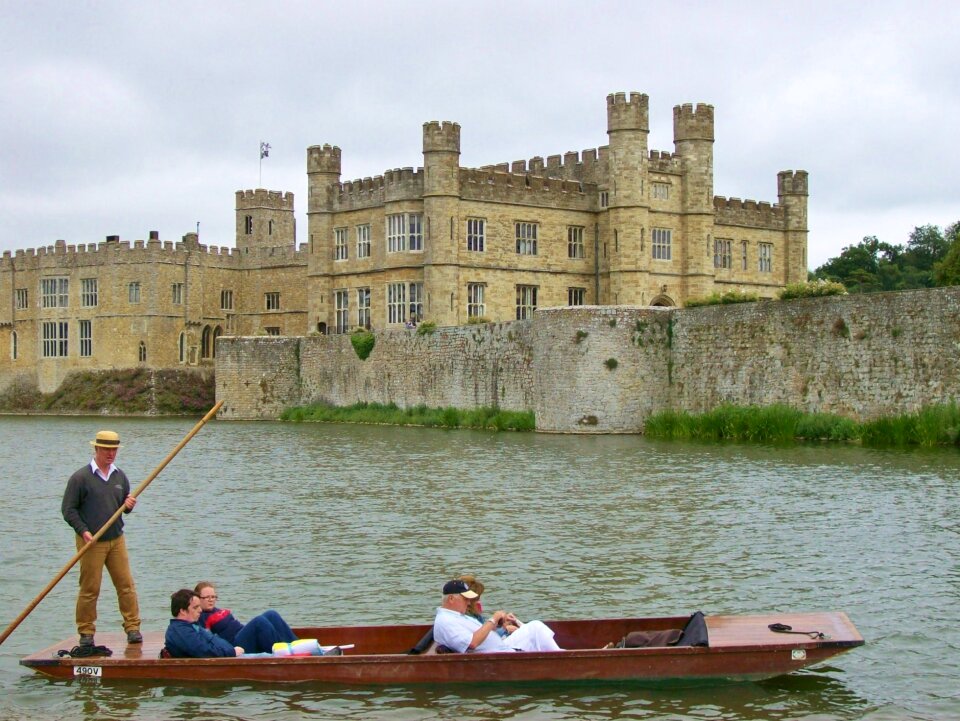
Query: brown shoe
134	637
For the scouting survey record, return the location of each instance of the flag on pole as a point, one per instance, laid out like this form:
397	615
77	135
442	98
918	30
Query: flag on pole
264	150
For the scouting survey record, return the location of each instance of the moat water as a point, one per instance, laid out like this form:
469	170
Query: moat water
335	524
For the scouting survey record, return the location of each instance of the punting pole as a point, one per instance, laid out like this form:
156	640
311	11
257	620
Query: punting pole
136	492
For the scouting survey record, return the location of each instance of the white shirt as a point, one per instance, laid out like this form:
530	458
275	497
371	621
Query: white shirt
455	631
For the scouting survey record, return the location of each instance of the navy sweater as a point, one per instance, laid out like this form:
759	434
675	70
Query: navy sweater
89	501
188	640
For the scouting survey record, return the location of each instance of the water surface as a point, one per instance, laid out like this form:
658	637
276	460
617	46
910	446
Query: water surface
339	524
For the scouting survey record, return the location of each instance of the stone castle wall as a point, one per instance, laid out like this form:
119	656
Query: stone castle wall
607	369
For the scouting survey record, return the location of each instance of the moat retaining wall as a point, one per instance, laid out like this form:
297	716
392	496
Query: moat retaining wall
607	369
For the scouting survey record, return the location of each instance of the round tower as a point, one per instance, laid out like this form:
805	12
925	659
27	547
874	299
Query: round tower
441	158
693	138
628	128
323	176
792	192
323	185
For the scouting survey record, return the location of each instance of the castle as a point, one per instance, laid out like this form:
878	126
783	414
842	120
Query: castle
617	225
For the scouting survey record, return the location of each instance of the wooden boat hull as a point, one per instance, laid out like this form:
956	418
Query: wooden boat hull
741	647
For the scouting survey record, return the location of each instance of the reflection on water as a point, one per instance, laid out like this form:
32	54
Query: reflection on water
354	524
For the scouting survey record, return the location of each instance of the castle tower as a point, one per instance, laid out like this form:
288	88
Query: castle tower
693	136
792	191
264	219
628	129
441	220
323	185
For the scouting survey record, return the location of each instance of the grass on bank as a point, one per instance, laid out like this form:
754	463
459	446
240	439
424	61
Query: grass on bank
391	414
932	426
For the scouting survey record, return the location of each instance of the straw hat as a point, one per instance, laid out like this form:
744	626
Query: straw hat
106	439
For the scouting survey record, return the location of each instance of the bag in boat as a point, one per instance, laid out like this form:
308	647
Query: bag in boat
300	647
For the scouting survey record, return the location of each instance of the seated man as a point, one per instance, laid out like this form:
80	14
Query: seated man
185	638
461	633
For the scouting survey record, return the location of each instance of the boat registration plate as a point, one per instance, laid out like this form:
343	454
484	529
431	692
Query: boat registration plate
798	654
89	671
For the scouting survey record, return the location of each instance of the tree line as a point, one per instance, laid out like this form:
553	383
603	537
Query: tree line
930	258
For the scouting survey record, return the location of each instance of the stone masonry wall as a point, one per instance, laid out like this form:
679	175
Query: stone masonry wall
607	369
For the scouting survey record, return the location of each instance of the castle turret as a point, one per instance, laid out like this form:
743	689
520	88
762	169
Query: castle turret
264	219
693	139
323	186
441	211
792	192
628	128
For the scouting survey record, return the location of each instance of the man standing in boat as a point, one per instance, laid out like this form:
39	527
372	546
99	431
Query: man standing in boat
461	633
93	495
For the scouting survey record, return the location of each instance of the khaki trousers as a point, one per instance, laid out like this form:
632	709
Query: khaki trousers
113	555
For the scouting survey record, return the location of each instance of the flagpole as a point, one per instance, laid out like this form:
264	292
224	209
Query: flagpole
264	153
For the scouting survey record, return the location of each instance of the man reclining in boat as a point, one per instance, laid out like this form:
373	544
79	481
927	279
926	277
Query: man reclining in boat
461	633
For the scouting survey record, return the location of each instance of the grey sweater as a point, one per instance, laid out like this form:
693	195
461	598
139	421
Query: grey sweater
89	501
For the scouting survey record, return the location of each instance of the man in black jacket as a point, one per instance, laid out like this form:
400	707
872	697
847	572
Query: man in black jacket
93	495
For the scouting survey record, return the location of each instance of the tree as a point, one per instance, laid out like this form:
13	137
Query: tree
947	271
868	266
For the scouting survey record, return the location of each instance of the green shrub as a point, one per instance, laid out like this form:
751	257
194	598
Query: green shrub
813	289
363	342
581	334
727	298
477	320
427	328
611	363
390	414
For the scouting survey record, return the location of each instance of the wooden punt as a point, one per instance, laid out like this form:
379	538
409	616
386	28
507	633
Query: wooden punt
740	647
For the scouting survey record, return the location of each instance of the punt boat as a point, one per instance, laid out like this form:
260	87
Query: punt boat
741	647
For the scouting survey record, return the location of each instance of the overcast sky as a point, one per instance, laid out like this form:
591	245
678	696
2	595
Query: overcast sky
124	117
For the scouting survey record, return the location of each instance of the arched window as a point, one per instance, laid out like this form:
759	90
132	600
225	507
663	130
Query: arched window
182	347
205	342
217	332
13	345
143	352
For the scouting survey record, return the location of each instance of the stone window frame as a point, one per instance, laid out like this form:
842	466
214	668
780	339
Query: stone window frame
363	307
55	292
142	352
226	299
340	244
476	234
272	330
415	232
341	310
271	300
660	190
415	301
89	296
526	233
396	295
661	242
476	305
85	336
133	292
576	296
744	265
604	199
526	301
248	225
55	334
176	292
23	298
765	257
723	253
575	247
13	345
363	240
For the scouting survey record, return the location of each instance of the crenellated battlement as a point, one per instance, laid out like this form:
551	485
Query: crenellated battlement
494	185
588	166
397	184
791	182
693	122
261	198
441	137
664	161
115	251
628	112
749	213
323	159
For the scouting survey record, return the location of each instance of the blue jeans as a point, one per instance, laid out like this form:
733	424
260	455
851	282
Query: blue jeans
260	633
